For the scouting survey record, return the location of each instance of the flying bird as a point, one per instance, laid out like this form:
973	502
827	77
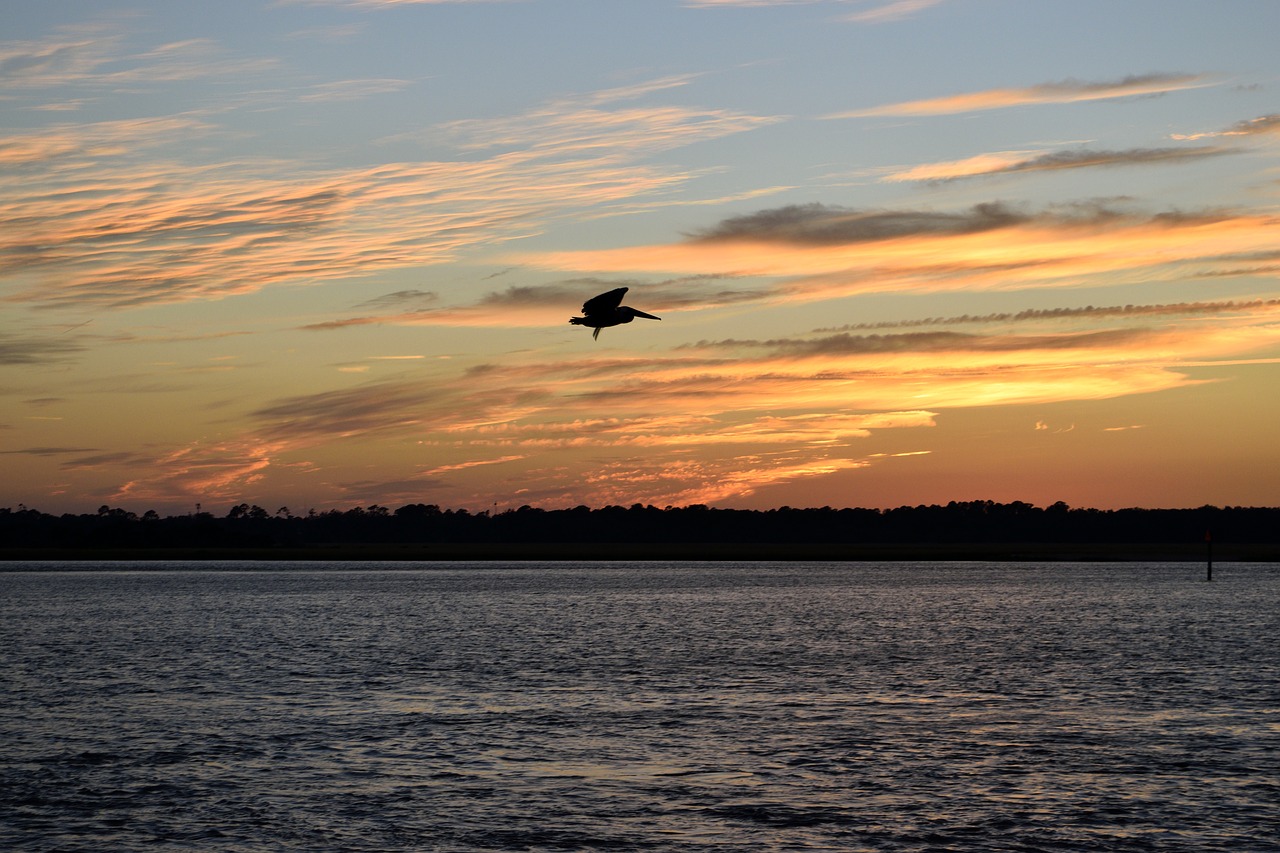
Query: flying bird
607	310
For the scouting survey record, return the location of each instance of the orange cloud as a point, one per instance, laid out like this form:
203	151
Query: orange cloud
168	234
376	4
824	252
815	429
102	216
892	10
221	470
579	129
1268	125
895	10
998	249
1002	163
702	481
460	466
736	416
1064	92
1133	313
546	305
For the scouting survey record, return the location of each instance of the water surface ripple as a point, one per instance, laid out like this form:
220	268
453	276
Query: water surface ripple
640	706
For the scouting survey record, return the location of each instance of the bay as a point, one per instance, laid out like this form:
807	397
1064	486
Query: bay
639	706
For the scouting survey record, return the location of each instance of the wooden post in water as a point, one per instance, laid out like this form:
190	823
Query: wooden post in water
1208	545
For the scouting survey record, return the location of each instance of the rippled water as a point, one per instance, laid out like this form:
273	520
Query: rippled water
694	707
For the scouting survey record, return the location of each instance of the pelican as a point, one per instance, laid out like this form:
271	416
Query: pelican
607	310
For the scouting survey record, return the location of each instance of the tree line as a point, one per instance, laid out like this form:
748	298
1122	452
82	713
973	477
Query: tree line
251	526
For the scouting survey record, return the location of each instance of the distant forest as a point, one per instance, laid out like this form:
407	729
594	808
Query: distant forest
26	531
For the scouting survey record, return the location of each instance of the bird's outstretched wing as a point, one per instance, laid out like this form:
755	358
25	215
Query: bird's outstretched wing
604	302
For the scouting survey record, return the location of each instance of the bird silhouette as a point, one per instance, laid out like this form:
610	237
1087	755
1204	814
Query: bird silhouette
607	310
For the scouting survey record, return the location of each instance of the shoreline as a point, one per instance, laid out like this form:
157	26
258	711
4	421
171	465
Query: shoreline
694	552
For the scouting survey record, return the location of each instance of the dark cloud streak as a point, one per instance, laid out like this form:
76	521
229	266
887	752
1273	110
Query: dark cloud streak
401	297
669	294
48	451
1088	312
17	350
1090	159
817	224
846	344
820	224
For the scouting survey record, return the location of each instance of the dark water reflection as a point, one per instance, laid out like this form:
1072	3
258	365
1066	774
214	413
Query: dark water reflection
641	707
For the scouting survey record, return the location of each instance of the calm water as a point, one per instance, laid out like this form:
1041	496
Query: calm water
695	707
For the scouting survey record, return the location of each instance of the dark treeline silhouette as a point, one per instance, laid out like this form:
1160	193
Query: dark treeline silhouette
975	522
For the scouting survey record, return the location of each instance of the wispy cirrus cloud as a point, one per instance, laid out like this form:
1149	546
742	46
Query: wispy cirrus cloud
202	471
843	343
474	463
47	451
189	60
574	128
880	12
289	429
674	432
132	212
352	90
168	230
896	10
737	415
823	252
924	250
76	147
21	350
366	409
1087	313
328	33
382	4
400	299
517	305
1004	163
1011	162
104	460
803	404
817	224
749	3
388	492
39	64
94	58
683	482
546	304
1063	92
1268	125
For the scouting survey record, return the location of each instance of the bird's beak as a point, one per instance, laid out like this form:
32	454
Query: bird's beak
646	316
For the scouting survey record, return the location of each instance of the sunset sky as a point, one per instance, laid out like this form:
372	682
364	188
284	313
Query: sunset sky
322	253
